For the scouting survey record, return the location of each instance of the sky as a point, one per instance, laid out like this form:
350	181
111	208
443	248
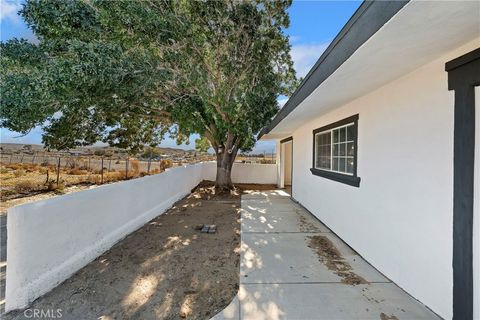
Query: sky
313	25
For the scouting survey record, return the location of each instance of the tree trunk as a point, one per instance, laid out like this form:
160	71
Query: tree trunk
225	161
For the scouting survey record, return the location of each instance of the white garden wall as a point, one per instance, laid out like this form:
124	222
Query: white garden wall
245	172
49	240
400	218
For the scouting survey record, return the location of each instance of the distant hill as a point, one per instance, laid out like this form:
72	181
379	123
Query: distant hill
17	147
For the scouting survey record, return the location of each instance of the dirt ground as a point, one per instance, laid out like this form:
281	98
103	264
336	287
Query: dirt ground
164	270
329	255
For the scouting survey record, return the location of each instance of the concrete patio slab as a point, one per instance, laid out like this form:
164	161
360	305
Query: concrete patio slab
286	258
271	194
282	275
329	302
291	219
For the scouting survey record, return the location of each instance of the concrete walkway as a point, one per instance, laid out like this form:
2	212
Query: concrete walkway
284	275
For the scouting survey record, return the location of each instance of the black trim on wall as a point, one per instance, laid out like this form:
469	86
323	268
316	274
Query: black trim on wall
364	23
291	161
286	139
463	76
352	180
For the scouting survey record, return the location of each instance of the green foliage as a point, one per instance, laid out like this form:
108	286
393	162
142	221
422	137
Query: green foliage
202	144
99	152
129	72
150	153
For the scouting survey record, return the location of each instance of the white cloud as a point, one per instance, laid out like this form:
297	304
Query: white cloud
9	10
305	55
281	101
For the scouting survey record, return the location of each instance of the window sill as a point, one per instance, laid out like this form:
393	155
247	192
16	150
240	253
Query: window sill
350	180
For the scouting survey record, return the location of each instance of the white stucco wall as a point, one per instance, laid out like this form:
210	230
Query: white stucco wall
49	240
245	172
400	218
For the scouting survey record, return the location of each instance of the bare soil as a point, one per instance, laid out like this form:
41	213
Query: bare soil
334	261
383	316
164	270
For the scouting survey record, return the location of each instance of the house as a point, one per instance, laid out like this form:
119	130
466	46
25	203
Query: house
381	142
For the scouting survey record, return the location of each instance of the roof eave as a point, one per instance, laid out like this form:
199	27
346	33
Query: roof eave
364	23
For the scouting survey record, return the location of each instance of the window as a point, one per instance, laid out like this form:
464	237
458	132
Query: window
335	151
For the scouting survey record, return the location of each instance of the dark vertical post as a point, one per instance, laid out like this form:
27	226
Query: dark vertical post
33	159
149	163
102	172
464	155
58	171
463	76
126	169
88	163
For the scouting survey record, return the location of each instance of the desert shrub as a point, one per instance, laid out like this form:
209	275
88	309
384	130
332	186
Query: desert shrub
7	193
77	172
26	186
113	176
19	173
53	186
4	170
42	170
266	161
14	166
99	153
166	163
135	167
45	163
31	167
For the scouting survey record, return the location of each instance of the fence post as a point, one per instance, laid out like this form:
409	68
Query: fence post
33	159
88	164
21	159
102	172
58	171
126	169
11	156
110	164
149	163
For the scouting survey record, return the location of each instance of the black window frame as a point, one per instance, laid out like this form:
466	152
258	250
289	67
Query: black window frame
352	180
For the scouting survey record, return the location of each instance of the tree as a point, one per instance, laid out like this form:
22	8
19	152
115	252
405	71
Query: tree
99	152
150	153
202	144
129	72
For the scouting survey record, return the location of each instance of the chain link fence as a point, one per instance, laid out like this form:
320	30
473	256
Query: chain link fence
24	173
